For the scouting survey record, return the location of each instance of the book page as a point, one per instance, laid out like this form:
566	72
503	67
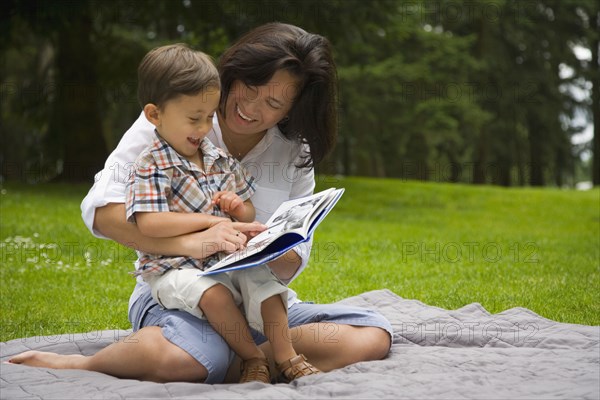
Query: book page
292	216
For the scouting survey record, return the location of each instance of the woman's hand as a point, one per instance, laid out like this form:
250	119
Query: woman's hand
224	236
250	229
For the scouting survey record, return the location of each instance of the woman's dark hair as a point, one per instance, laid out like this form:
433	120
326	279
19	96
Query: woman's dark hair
257	55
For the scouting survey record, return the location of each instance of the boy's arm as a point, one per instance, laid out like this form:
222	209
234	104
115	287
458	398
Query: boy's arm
110	222
147	202
170	224
247	213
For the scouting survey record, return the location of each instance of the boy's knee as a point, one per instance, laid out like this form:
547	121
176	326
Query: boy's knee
215	296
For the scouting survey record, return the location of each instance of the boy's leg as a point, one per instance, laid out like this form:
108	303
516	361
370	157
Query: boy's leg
275	320
332	336
335	335
211	298
219	308
265	302
290	364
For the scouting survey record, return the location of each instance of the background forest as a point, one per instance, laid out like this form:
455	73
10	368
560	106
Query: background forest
494	91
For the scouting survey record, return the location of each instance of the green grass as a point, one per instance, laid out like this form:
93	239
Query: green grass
445	245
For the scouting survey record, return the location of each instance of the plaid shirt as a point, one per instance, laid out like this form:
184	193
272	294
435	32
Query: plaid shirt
165	181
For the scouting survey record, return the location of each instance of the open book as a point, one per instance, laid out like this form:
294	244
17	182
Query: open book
292	223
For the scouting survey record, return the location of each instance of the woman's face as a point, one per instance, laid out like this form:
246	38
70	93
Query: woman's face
254	109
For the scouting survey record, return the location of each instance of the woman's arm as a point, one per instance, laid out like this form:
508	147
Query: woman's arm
168	224
290	265
110	221
286	266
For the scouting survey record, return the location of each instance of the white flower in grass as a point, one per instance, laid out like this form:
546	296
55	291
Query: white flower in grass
22	240
106	262
88	258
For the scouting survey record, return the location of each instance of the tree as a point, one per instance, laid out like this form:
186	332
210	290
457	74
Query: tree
73	134
445	90
523	46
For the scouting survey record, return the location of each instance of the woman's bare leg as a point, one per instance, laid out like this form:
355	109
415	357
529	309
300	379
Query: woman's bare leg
329	346
144	355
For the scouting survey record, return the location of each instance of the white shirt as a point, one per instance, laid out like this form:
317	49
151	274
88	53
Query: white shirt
272	162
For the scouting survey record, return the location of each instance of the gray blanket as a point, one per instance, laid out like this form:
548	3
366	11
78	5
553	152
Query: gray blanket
436	354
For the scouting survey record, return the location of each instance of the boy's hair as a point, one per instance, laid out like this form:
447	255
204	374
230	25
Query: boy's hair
167	72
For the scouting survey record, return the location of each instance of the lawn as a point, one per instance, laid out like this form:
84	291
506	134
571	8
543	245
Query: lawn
443	244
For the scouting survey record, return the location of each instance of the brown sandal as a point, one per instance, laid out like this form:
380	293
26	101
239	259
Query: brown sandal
296	367
255	369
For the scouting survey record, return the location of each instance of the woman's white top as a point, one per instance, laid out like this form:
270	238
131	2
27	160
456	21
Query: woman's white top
272	162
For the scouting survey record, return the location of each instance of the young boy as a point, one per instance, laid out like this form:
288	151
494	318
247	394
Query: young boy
182	183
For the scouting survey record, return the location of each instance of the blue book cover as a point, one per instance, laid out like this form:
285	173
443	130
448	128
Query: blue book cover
291	224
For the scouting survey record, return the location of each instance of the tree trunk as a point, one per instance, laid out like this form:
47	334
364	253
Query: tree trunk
416	160
479	166
595	66
76	123
480	150
536	149
504	169
455	169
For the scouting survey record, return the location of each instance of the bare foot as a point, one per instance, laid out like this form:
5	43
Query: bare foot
49	360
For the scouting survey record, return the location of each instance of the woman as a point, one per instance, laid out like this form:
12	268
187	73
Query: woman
277	115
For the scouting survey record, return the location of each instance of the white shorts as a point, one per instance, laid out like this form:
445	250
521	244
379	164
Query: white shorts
182	289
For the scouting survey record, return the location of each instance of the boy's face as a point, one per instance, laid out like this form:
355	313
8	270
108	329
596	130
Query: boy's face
185	120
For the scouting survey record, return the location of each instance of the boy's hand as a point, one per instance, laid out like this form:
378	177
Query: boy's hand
228	202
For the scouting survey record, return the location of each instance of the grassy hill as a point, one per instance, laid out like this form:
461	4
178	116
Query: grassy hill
443	244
